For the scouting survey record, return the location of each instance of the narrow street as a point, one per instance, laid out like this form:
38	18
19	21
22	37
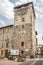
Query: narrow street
9	62
38	61
35	61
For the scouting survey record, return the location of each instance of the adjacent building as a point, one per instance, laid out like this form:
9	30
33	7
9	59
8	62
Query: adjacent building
6	36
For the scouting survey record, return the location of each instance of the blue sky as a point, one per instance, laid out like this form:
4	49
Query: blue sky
7	14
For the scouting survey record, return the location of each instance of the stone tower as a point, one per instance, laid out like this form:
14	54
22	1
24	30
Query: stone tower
24	26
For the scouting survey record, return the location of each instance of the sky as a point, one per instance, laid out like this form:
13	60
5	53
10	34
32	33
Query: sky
7	14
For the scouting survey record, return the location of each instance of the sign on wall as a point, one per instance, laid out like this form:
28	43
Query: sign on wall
14	52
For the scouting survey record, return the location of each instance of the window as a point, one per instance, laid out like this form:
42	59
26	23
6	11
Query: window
2	45
23	26
22	43
6	45
1	52
42	50
23	20
7	30
3	30
7	42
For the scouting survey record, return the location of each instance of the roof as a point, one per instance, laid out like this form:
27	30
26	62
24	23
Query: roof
6	26
26	4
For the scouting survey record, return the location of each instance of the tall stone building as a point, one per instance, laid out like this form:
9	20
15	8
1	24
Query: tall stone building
24	26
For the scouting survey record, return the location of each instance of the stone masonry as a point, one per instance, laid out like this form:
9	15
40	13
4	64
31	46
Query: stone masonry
24	26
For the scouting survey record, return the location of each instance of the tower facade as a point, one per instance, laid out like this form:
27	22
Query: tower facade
24	26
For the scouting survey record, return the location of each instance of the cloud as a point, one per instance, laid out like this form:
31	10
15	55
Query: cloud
41	0
39	9
40	41
2	22
25	1
37	6
6	9
19	2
